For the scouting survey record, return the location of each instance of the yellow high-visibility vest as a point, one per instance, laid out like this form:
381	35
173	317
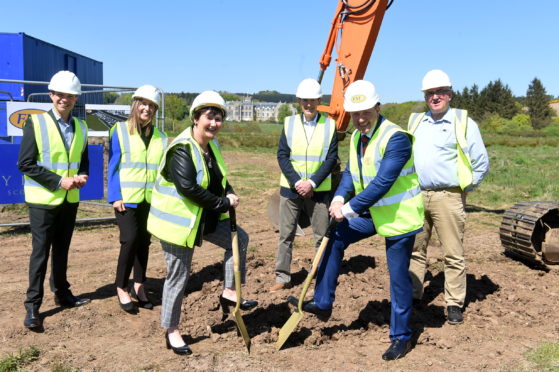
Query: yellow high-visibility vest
52	154
307	155
400	210
463	162
172	217
138	164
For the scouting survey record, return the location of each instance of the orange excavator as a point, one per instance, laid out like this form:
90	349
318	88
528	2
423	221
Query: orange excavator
353	34
354	31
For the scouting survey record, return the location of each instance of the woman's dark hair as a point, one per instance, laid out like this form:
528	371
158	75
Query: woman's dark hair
212	110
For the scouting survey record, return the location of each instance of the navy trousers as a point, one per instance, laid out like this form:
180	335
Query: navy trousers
398	253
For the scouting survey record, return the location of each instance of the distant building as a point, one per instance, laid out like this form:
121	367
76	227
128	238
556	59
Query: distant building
554	104
247	110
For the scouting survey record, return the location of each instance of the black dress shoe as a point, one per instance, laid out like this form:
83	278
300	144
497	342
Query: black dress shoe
397	350
143	304
311	307
245	304
454	315
181	350
129	307
32	320
69	300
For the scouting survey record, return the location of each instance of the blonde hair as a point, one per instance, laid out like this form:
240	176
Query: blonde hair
134	122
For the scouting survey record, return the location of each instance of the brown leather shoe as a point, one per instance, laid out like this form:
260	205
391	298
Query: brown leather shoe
279	286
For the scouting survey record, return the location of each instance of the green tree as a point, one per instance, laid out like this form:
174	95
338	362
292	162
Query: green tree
538	106
399	113
109	97
283	112
175	108
497	98
230	97
124	99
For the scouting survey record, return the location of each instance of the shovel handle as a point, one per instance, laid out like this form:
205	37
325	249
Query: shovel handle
316	261
331	225
233	219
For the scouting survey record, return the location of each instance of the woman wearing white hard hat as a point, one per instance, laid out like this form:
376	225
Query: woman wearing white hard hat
137	147
189	202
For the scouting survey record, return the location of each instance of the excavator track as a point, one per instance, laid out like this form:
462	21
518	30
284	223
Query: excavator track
530	232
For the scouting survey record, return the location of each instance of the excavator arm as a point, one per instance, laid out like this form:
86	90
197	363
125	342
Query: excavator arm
354	31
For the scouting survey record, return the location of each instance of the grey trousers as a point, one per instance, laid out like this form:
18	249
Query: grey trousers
179	261
289	214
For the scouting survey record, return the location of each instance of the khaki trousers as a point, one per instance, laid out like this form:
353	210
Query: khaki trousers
445	211
289	215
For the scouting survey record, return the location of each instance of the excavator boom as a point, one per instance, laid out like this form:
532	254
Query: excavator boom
354	31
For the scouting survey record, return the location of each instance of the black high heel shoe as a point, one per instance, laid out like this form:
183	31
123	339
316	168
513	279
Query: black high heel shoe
181	350
245	304
129	307
143	304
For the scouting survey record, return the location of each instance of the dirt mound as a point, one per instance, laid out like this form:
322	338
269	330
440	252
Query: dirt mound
510	308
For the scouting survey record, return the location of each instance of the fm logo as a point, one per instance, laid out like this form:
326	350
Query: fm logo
18	118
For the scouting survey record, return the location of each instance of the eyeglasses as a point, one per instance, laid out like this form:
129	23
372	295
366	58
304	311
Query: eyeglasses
65	95
438	92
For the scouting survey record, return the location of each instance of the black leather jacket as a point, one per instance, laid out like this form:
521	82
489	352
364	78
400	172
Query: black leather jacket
180	170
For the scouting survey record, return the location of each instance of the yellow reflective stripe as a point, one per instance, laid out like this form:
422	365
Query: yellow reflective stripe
414	120
398	198
173	218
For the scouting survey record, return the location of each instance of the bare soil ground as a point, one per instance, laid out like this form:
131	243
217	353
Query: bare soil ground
510	308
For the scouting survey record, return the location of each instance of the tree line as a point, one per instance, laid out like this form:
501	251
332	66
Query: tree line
497	101
494	107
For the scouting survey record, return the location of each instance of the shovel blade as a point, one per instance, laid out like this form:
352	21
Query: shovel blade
289	327
242	328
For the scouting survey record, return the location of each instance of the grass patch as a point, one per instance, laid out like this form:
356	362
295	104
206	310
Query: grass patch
545	358
251	180
14	362
61	367
518	174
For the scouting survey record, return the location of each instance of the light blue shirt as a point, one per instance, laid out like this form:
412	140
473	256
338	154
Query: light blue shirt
309	127
66	129
435	154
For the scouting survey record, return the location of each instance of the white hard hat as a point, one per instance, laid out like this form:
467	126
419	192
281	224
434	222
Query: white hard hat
309	89
65	82
208	98
435	79
148	92
360	95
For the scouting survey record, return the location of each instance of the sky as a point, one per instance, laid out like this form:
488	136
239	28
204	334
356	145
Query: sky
250	45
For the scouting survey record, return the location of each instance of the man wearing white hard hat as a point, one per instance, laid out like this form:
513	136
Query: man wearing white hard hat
307	153
387	201
451	160
136	150
54	160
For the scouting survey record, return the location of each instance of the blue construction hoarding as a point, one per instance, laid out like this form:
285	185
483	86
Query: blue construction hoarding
26	58
11	180
23	57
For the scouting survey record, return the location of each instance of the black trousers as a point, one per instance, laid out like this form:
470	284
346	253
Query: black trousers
50	228
134	244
